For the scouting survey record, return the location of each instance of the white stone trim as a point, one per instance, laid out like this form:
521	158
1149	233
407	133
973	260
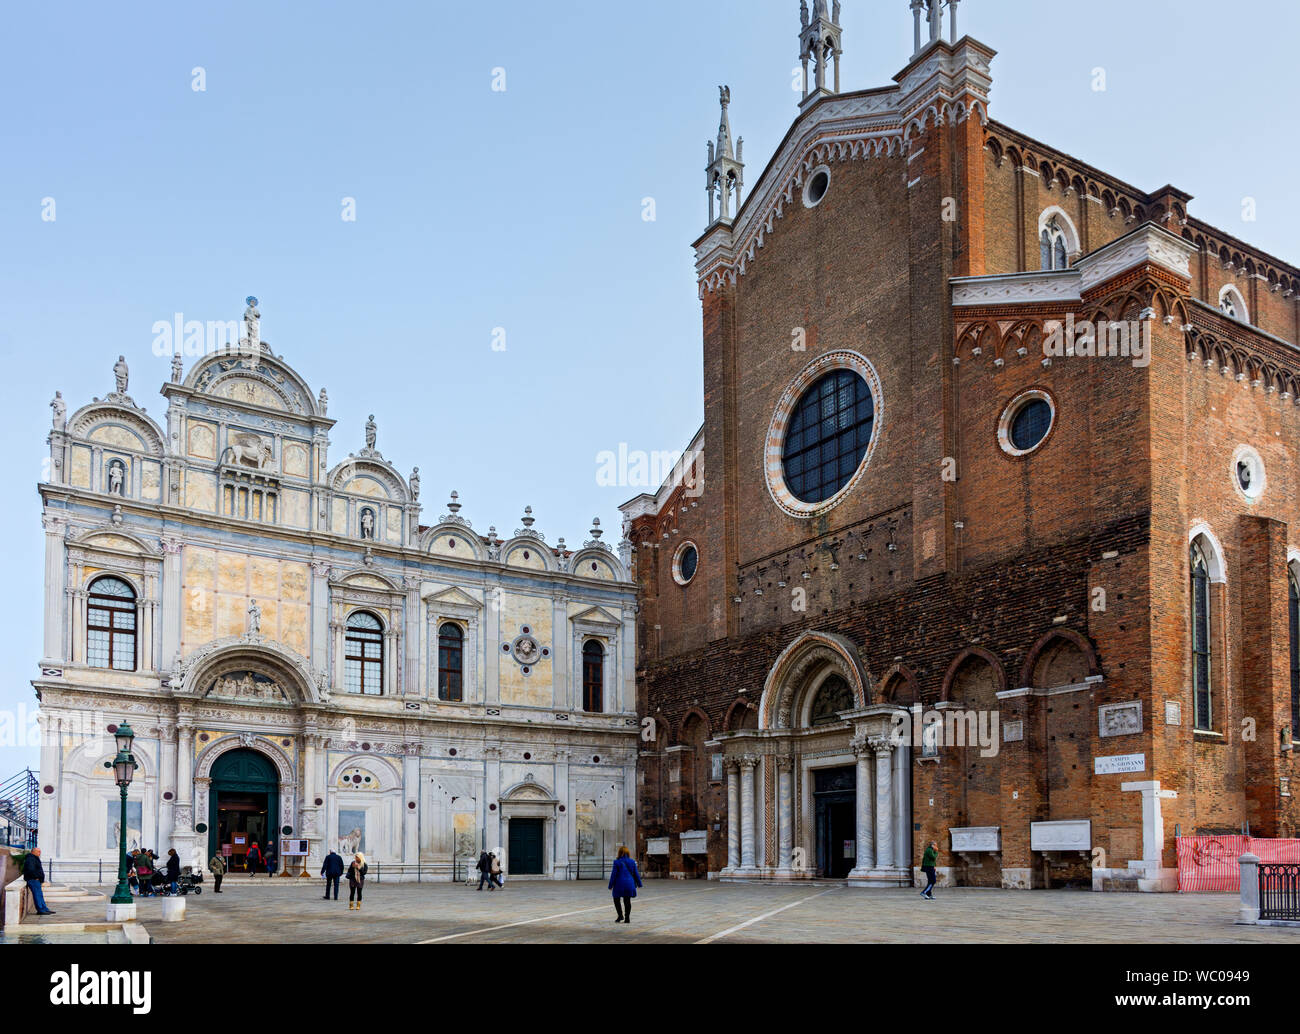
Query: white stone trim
1061	285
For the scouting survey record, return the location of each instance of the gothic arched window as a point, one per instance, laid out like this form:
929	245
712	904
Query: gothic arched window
1294	611
111	625
451	663
1201	641
363	655
593	677
1053	250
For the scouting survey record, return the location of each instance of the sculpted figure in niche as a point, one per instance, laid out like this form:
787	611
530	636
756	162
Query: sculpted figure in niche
367	523
116	478
254	618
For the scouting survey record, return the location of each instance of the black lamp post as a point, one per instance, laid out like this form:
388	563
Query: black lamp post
123	767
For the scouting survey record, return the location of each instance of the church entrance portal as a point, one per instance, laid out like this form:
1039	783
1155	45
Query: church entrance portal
835	803
244	805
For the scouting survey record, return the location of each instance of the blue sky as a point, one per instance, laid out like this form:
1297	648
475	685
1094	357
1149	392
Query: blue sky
478	209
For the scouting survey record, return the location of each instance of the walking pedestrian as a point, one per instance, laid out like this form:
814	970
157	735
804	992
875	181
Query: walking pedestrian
624	879
173	870
332	870
356	881
928	861
34	876
253	860
494	873
484	868
272	861
144	873
217	866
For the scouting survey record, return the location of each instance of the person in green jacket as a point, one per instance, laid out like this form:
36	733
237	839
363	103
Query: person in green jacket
927	866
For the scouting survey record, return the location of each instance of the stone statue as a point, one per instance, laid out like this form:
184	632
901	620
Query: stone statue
324	401
115	478
803	12
367	523
121	373
253	322
178	368
371	432
60	411
415	483
254	618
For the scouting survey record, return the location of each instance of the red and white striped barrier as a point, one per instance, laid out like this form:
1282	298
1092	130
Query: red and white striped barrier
1209	864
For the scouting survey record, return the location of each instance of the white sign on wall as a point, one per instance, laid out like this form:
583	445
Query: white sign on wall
1121	764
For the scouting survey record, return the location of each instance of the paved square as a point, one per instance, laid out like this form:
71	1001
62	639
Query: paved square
291	911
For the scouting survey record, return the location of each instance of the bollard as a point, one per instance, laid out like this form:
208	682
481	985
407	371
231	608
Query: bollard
1249	914
173	910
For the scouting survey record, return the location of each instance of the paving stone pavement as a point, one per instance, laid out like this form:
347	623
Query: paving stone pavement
292	911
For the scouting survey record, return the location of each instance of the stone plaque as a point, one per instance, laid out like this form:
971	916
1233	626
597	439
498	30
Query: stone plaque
695	842
976	838
1013	732
1120	719
657	846
1120	764
1173	712
1074	835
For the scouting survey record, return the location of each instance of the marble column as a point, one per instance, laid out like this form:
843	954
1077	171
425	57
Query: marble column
866	830
733	813
902	807
748	769
785	812
411	816
884	803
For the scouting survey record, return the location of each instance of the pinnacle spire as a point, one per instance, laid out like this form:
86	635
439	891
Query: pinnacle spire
726	169
819	43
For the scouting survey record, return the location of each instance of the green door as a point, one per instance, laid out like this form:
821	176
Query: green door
244	798
527	840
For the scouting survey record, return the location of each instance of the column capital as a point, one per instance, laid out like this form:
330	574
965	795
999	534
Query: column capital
881	746
748	761
785	762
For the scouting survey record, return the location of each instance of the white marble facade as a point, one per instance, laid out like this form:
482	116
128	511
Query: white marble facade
249	558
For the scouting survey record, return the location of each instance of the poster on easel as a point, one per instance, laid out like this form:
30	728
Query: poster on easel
292	848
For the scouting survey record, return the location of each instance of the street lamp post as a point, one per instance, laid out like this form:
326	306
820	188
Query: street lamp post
123	767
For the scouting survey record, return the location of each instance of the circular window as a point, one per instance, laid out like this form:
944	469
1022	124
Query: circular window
818	184
1026	423
1248	473
823	434
686	563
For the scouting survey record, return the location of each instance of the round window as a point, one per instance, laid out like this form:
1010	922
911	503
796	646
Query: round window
828	437
818	184
686	563
1026	423
1248	473
823	434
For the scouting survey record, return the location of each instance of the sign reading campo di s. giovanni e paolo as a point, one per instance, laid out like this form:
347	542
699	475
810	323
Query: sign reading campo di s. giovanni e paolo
1121	764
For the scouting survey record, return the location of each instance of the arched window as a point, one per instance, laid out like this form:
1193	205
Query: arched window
593	677
1294	610
833	696
110	625
1201	652
451	663
363	655
1053	249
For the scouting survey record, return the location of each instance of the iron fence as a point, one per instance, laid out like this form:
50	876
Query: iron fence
19	808
1279	890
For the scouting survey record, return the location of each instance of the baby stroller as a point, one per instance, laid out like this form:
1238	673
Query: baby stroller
190	882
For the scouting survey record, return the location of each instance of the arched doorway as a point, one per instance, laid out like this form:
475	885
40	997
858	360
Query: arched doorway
244	803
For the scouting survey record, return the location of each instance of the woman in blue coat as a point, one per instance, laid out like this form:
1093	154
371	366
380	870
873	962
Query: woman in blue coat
623	882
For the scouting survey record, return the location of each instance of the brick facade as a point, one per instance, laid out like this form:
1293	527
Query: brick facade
1040	587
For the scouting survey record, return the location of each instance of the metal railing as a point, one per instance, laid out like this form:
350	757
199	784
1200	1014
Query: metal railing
19	809
1279	890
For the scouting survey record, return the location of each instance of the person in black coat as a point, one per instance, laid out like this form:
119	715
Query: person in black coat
332	870
357	880
173	869
34	875
484	868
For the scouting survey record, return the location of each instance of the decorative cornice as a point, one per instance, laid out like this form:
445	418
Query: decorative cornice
1017	288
